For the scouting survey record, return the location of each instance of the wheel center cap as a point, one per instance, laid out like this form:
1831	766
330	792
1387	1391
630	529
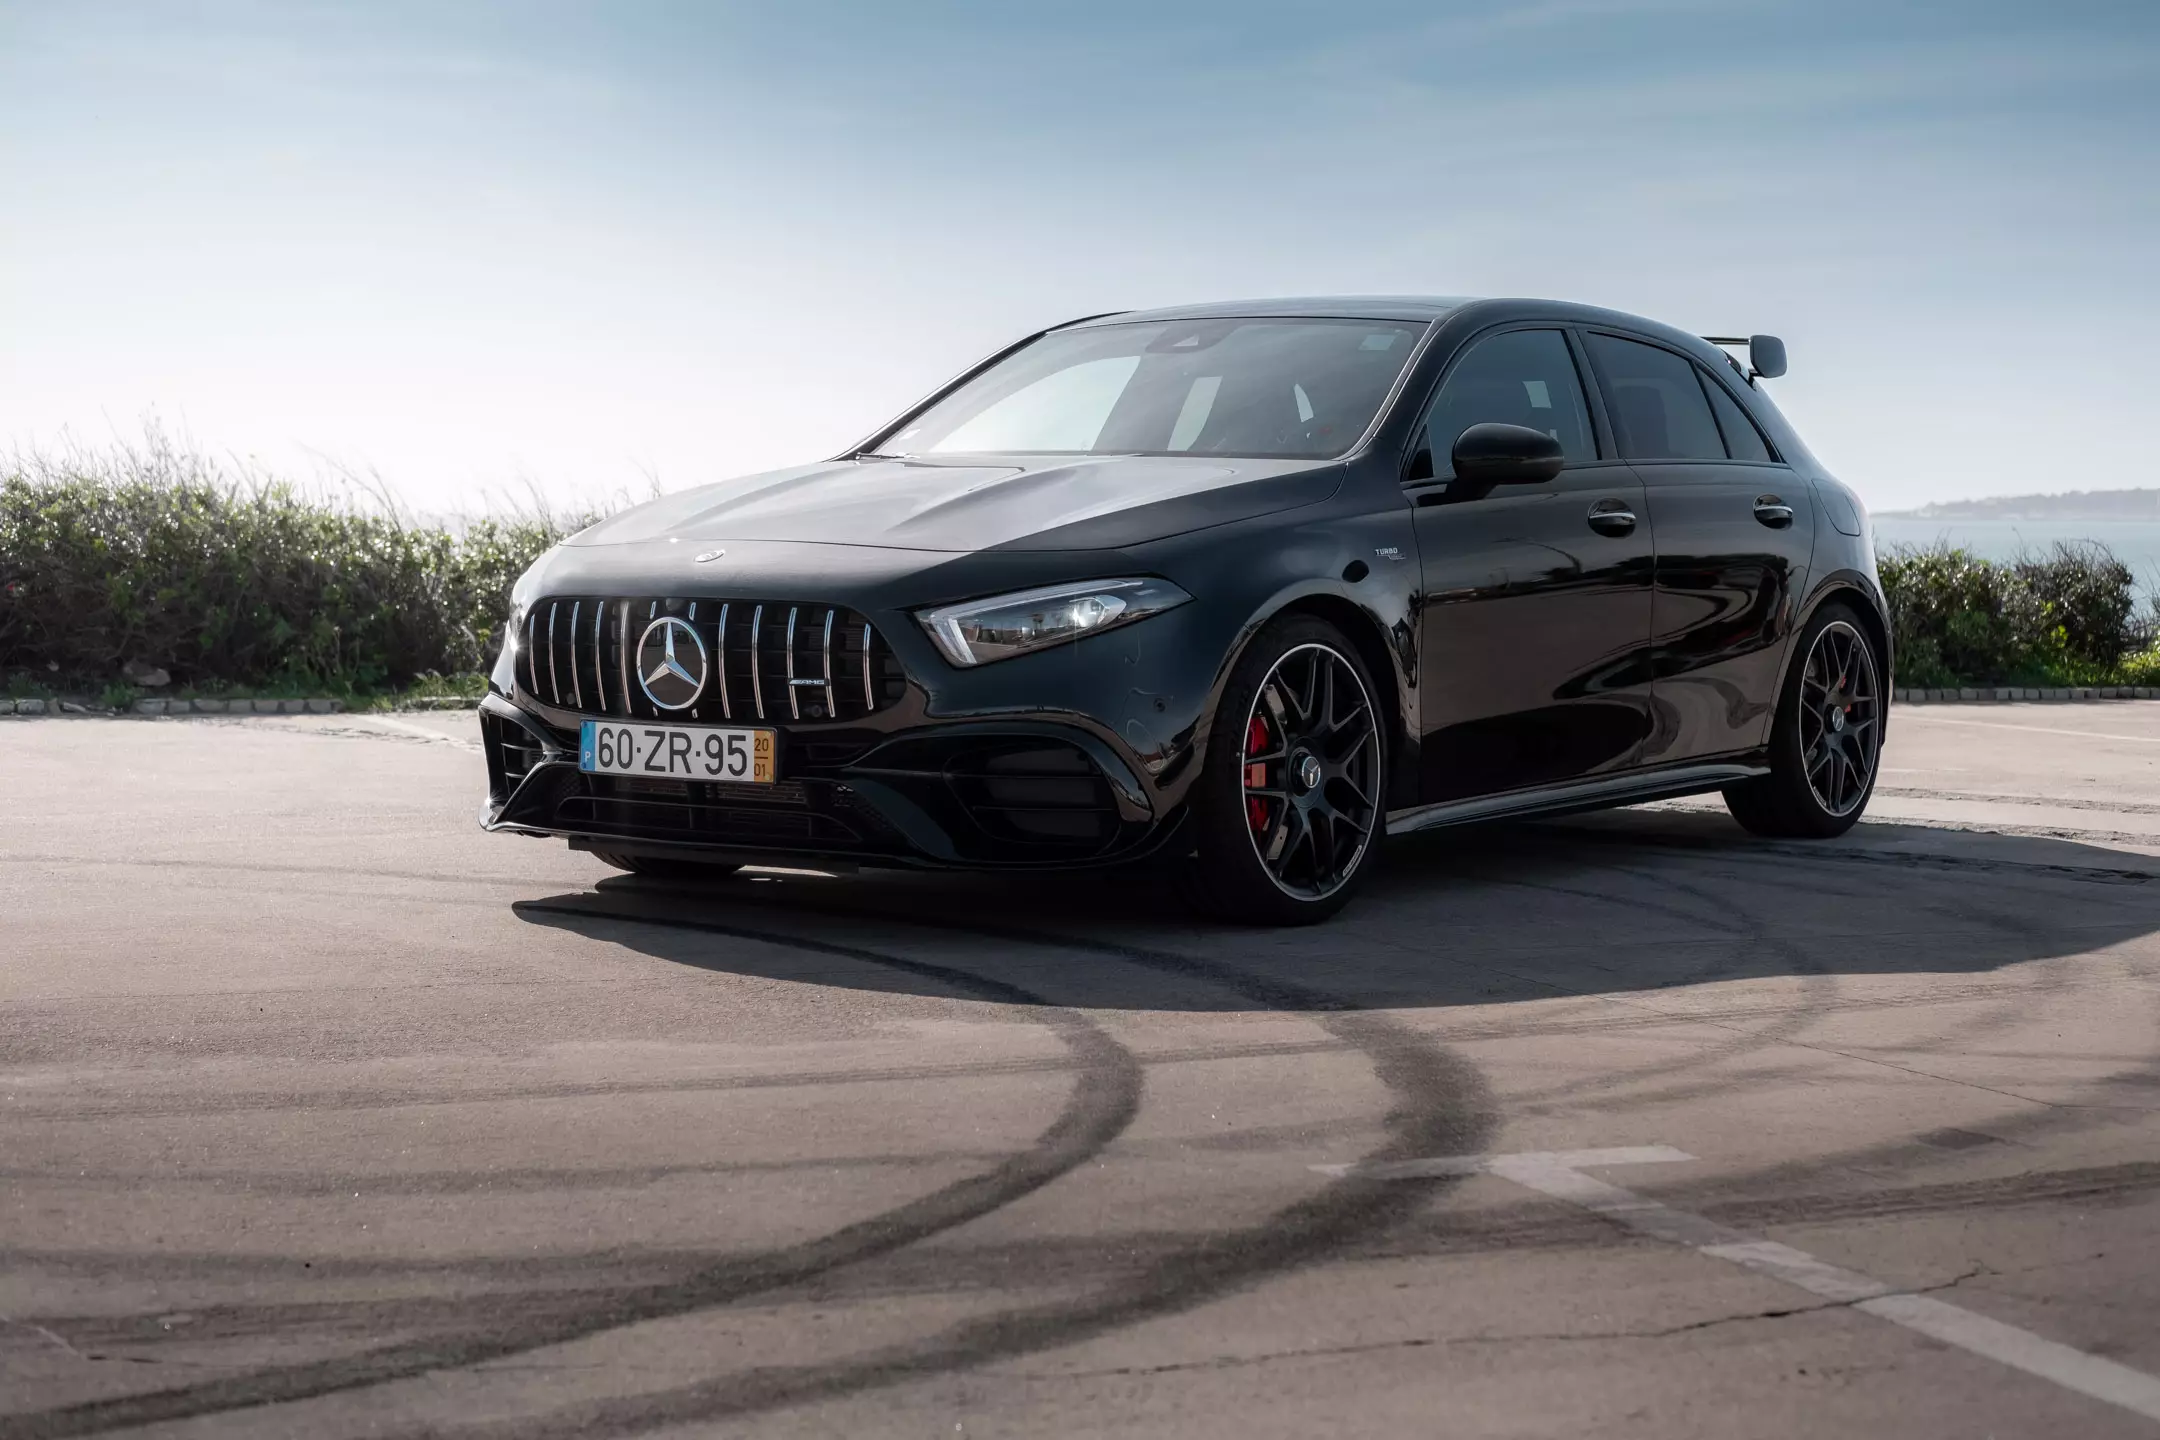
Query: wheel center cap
1308	773
1837	720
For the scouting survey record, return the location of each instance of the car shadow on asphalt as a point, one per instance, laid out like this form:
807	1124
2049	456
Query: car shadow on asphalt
1628	901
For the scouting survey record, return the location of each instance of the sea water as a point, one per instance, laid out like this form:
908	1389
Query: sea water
2135	542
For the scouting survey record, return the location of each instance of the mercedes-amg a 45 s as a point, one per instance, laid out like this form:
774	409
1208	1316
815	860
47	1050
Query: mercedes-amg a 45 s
1243	588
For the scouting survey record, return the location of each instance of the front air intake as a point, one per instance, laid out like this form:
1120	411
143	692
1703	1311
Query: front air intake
762	660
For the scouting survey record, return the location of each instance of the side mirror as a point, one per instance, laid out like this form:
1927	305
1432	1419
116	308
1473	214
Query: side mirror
1492	454
1766	356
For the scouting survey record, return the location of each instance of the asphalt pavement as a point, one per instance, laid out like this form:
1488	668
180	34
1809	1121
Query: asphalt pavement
324	1113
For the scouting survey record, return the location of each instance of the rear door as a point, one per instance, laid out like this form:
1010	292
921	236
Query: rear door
1735	534
1537	598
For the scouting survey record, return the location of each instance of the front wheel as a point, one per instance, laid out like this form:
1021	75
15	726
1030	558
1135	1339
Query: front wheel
1826	739
1289	807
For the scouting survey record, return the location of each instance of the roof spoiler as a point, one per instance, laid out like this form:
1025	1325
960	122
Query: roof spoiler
1765	353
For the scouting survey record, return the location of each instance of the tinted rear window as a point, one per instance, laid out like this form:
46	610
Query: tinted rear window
1657	406
1742	440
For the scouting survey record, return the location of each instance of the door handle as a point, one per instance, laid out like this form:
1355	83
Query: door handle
1773	512
1612	517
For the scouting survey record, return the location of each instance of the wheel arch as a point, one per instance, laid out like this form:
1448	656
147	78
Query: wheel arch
1853	589
1366	634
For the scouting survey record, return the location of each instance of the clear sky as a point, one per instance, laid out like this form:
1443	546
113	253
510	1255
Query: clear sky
477	247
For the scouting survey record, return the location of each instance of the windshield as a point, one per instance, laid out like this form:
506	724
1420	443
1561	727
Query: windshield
1266	387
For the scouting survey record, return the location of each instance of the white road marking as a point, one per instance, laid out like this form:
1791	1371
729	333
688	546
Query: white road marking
1558	1173
2028	729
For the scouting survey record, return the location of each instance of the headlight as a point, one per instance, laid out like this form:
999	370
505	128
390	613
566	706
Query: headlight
978	631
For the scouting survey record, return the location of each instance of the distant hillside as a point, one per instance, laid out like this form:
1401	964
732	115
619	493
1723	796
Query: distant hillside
2074	505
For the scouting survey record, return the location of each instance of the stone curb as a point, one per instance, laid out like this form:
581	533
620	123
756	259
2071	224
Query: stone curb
442	702
2004	694
158	705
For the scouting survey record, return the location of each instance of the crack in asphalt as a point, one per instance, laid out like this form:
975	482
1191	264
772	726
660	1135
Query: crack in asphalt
1421	1342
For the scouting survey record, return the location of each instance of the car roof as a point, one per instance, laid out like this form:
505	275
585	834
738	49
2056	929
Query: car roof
1420	309
1348	307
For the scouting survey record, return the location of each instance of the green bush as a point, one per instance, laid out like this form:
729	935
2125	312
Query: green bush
160	557
2067	617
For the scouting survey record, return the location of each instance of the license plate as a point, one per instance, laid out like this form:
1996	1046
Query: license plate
676	752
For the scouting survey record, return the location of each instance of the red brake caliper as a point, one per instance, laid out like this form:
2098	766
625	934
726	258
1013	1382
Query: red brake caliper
1256	775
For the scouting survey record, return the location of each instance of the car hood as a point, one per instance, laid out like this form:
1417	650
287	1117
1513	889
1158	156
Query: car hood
987	503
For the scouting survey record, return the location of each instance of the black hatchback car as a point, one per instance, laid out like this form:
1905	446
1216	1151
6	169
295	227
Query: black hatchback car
1246	587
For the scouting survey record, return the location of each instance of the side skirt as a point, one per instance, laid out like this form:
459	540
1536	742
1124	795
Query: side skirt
1579	795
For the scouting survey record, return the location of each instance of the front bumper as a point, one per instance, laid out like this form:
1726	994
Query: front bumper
911	790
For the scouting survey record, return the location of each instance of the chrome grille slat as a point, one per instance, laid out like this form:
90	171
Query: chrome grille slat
832	706
793	705
757	661
532	651
720	665
599	658
554	681
869	699
577	692
622	661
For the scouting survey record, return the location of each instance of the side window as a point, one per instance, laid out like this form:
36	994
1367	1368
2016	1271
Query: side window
1519	377
1742	440
1655	402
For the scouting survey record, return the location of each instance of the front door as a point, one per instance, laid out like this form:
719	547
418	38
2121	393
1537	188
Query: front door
1536	606
1735	535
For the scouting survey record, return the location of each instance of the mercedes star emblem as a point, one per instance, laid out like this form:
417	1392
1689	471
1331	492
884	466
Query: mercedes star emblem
671	663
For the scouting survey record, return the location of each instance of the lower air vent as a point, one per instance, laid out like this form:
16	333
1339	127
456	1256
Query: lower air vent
1043	794
511	753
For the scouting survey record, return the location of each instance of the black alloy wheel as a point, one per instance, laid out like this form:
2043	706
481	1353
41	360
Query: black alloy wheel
1826	740
1840	718
1291	805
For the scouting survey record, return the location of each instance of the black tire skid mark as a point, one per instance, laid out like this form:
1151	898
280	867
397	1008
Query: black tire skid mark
1969	913
1104	1100
1441	1107
1770	852
1766	1202
2005	1014
1792	1022
1749	929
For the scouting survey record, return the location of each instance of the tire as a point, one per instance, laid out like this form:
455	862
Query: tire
1826	741
1298	717
667	867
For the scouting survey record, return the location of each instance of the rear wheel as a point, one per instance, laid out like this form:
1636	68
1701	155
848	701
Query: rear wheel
1826	740
1289	806
667	867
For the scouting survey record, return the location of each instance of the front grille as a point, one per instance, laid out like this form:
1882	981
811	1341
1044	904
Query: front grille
765	660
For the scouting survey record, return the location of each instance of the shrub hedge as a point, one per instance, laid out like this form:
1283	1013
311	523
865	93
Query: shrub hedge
2068	616
157	556
160	558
